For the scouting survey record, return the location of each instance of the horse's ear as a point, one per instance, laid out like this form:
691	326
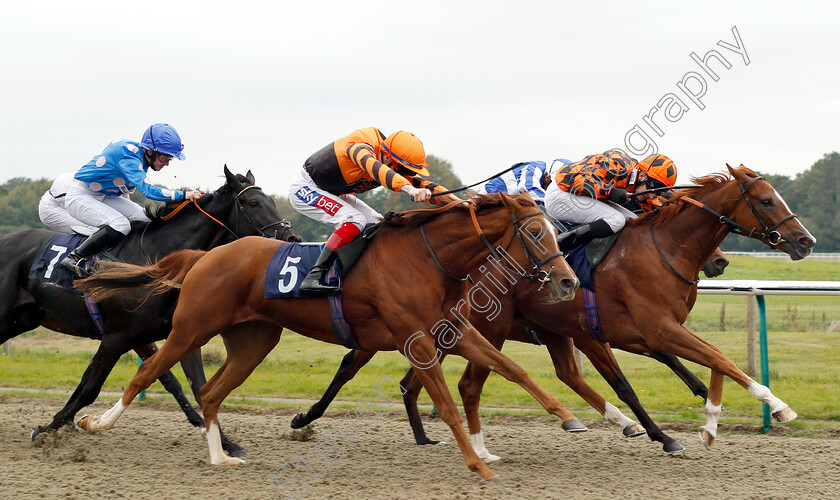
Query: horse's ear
739	174
250	177
231	178
508	201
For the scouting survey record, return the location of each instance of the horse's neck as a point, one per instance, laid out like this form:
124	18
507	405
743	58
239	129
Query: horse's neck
695	233
195	231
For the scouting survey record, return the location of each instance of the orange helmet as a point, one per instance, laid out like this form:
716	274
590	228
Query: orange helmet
406	149
661	169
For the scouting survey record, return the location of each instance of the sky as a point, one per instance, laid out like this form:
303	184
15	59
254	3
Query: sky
262	85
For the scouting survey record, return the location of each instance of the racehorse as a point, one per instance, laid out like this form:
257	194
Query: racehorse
559	344
395	293
665	249
239	208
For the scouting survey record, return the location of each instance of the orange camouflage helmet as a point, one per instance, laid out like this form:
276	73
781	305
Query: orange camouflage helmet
406	149
661	169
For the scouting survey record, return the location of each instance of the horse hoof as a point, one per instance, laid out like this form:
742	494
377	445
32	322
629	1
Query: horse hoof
83	422
234	450
673	447
430	441
707	439
230	461
633	430
574	425
298	421
37	431
489	458
784	415
495	479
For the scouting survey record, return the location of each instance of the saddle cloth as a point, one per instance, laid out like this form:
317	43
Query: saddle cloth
289	265
46	266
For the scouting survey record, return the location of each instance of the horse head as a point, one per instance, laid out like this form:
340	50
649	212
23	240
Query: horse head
766	216
537	248
253	212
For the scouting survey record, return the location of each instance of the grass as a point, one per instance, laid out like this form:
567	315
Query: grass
804	361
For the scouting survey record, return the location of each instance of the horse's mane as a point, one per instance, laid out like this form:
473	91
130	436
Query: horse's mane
672	207
482	202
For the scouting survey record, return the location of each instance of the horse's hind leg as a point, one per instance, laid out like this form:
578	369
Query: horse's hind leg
194	370
478	350
697	387
603	360
110	349
561	350
247	345
470	387
171	384
352	362
412	385
174	349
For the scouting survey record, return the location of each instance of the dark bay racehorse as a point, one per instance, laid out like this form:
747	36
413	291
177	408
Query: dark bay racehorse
239	208
396	292
560	348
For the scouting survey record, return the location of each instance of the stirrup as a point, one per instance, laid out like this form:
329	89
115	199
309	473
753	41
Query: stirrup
74	265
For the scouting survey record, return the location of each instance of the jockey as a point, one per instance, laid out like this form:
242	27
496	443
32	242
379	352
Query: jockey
580	192
324	188
530	176
98	194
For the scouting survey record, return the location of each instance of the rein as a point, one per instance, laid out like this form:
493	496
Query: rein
537	273
282	222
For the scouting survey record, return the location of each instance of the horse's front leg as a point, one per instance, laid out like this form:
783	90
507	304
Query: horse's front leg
470	387
478	350
676	339
561	350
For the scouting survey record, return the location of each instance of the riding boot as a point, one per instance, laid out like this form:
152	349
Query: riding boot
104	237
582	235
313	283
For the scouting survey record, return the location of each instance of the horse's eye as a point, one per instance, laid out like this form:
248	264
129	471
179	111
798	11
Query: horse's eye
253	204
535	234
767	202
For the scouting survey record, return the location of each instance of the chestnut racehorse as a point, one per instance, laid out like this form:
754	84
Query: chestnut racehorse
408	281
560	347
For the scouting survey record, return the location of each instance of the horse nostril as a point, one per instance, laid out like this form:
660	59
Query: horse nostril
721	263
806	242
567	284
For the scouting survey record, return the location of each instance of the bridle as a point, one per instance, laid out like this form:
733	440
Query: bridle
540	275
770	234
284	224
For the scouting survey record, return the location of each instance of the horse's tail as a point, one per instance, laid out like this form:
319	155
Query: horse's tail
111	278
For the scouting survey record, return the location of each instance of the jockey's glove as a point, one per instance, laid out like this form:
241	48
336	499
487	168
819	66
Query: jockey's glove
619	196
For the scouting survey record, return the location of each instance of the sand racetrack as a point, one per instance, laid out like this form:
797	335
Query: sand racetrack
153	452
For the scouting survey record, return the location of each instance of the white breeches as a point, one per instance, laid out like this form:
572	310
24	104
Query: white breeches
312	201
564	206
96	209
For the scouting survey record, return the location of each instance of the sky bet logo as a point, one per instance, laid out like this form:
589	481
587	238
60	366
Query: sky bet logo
318	200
